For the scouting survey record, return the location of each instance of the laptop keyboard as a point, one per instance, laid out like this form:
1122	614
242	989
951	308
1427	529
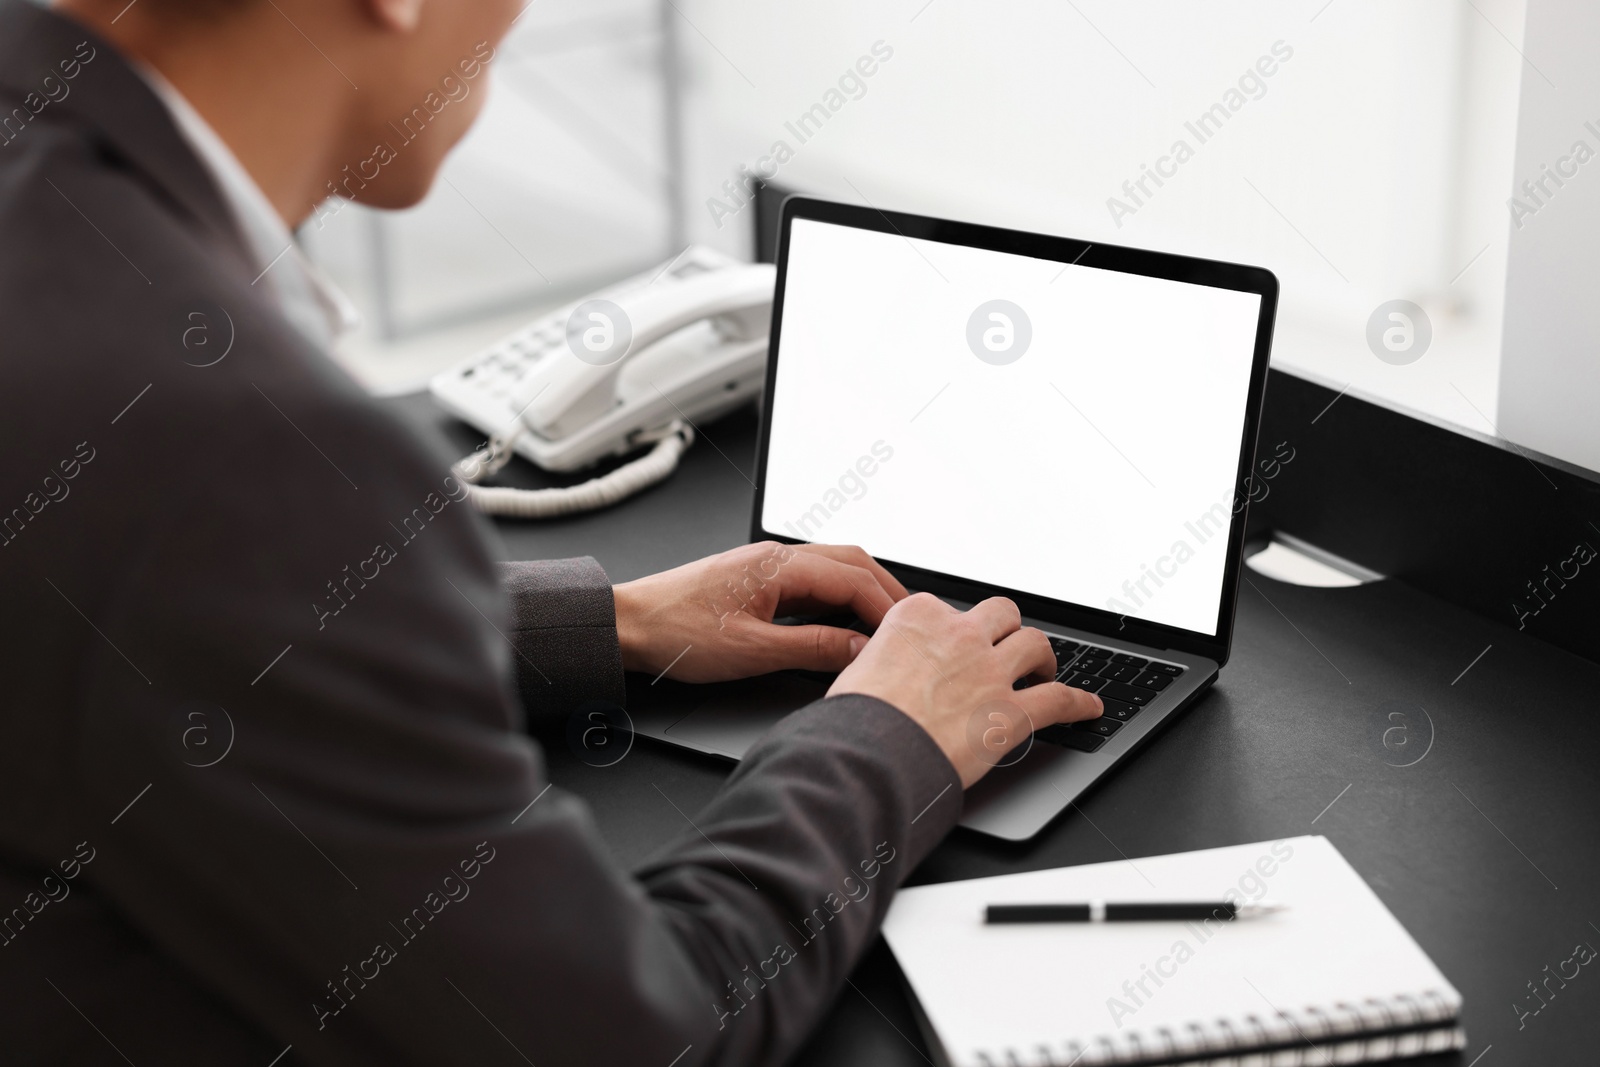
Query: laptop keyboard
1124	682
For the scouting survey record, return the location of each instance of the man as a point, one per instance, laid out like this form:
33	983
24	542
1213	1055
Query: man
264	790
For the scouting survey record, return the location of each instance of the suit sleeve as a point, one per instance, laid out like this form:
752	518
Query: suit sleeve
360	850
563	631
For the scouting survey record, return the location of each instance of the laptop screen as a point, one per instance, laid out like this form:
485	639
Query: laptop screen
1062	430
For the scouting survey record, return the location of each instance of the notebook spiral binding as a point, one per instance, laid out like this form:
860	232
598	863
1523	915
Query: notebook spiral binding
1374	1029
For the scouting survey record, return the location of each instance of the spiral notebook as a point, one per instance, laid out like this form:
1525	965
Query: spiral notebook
1332	979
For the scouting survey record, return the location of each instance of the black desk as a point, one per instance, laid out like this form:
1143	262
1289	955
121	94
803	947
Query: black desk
1484	848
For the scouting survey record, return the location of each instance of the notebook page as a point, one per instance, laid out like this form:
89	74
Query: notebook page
992	988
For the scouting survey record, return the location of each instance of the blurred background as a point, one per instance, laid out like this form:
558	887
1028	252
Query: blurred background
1363	150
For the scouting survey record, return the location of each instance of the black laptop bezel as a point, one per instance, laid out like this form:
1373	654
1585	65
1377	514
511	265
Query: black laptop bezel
1065	250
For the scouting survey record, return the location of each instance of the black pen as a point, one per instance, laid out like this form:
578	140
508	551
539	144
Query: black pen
1099	911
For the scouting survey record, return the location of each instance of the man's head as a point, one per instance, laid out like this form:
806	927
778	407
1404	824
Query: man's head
358	97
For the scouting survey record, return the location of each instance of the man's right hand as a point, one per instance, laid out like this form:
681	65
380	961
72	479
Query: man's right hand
952	672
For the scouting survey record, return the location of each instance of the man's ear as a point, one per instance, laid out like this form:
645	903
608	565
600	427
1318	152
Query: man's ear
400	16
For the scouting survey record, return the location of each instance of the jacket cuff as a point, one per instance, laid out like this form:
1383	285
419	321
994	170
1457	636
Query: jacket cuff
918	792
563	626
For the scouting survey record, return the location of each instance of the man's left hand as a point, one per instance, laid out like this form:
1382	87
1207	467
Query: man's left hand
711	620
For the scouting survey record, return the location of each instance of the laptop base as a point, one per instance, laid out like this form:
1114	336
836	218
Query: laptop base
1013	802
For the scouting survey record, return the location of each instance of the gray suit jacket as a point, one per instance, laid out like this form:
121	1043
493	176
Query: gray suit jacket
263	775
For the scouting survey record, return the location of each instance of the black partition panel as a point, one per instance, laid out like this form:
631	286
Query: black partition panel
1476	521
1484	524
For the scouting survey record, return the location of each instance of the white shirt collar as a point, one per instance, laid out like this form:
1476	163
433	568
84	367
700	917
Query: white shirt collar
309	300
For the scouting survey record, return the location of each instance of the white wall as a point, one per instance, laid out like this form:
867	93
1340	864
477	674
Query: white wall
562	184
1550	376
1385	141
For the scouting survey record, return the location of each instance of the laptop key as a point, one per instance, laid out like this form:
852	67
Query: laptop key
1056	734
1063	646
1131	694
1122	672
1090	684
1132	661
1102	726
1152	680
1119	710
1088	666
1083	741
1096	652
1167	668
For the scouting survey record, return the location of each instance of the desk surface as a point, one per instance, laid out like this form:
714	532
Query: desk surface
1483	847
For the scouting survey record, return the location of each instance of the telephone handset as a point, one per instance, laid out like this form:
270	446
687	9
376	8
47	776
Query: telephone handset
630	365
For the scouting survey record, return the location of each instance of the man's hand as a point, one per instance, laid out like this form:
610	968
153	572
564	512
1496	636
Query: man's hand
711	621
952	672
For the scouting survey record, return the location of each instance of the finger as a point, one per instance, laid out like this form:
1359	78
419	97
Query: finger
997	616
1027	653
801	607
1052	702
856	556
859	557
807	648
817	579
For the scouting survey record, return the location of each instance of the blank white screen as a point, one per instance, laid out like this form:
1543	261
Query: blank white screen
1097	469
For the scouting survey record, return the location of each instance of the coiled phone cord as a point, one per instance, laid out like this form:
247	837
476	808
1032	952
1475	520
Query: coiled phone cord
650	468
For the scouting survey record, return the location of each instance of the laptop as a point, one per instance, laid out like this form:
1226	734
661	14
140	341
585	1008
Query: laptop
997	413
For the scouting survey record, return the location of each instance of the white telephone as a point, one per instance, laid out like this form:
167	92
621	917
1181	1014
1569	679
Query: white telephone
633	364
